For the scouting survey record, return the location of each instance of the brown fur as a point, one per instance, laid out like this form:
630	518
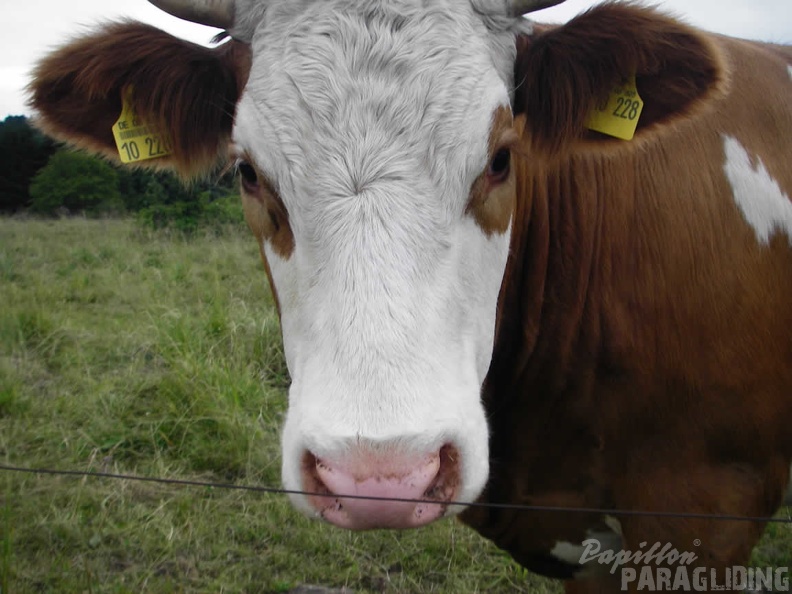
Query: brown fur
268	219
185	90
492	204
267	216
643	359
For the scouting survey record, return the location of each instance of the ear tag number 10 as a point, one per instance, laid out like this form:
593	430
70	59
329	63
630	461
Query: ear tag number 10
619	116
135	140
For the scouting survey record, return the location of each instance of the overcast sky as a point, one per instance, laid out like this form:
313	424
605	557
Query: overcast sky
33	27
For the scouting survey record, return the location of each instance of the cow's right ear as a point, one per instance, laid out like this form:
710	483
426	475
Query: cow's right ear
187	92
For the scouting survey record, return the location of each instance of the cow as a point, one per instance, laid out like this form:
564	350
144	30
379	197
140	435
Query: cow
485	295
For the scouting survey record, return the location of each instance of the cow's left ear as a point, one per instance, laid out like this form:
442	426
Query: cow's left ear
185	92
563	73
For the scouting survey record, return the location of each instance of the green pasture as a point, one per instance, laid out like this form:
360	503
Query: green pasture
128	351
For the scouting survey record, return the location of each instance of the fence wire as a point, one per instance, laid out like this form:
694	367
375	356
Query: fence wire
281	491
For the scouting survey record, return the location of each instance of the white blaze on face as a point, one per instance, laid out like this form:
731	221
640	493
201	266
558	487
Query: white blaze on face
789	70
373	123
763	203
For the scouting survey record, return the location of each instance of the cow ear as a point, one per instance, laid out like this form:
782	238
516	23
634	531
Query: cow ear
562	73
184	91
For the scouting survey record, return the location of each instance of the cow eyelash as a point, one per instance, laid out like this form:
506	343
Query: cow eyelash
499	166
248	175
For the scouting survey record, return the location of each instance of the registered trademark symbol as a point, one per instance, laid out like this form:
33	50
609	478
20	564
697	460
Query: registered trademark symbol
696	543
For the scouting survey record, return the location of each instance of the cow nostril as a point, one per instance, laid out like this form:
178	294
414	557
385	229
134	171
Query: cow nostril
312	483
446	484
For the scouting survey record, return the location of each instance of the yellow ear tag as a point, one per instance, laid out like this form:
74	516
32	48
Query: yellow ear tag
134	139
619	116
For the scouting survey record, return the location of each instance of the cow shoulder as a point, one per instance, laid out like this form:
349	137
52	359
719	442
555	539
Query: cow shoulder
562	73
186	91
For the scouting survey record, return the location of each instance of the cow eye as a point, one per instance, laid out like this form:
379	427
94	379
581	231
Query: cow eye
248	174
499	166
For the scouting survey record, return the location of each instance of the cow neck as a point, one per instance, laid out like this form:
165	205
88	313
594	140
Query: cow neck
548	316
544	365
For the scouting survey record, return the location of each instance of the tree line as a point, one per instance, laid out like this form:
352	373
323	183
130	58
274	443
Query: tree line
41	177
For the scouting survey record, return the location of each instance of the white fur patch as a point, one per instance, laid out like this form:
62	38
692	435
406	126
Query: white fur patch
573	553
763	203
568	552
789	70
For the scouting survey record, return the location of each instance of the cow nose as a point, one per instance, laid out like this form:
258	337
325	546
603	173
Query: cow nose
388	480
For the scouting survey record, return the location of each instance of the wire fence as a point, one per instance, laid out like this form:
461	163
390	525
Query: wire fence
279	491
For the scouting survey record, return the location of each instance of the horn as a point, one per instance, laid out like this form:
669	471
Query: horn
214	13
521	7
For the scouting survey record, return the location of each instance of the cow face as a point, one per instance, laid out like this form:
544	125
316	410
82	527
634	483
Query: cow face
375	147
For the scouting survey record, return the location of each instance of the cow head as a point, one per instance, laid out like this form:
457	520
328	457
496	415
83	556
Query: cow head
374	151
374	143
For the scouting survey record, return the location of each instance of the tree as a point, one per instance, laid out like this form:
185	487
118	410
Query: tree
23	151
76	182
35	174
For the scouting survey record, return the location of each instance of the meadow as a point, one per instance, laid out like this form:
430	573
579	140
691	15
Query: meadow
128	351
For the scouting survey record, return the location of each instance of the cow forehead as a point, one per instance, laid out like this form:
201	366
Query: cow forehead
343	94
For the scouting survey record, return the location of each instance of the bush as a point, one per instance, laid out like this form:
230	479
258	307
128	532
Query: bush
204	212
223	211
76	182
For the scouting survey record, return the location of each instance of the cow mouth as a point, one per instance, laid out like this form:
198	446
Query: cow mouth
394	492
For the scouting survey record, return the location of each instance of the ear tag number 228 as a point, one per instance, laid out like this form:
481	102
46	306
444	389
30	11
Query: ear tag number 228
135	140
619	116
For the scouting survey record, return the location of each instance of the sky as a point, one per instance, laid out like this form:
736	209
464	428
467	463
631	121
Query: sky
32	28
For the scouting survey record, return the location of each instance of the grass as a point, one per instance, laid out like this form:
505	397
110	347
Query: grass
130	352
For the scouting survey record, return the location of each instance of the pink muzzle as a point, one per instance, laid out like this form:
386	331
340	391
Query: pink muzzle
388	480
